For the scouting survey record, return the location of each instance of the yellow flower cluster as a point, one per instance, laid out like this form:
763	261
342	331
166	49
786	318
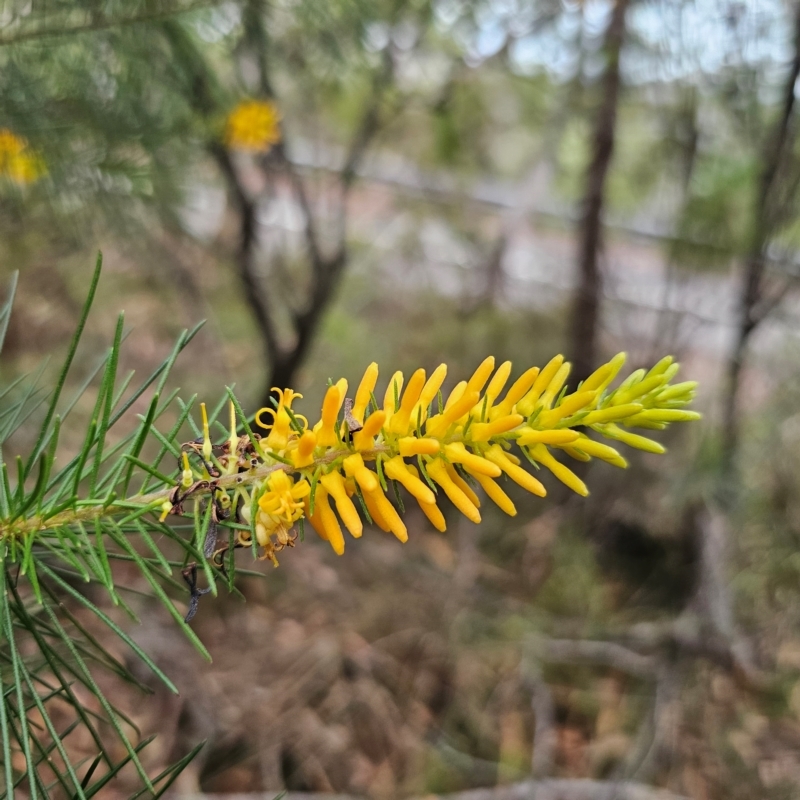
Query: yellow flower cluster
17	162
253	125
433	446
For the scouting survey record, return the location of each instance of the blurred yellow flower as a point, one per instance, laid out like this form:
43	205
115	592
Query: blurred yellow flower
253	125
17	162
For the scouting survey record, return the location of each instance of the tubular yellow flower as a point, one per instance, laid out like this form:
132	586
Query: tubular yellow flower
402	416
396	469
253	125
599	450
459	454
495	493
518	390
526	405
498	456
334	485
541	454
393	391
330	525
437	425
409	446
364	392
354	467
480	376
439	473
498	381
529	436
434	515
326	427
430	390
483	431
387	512
364	439
303	454
456	394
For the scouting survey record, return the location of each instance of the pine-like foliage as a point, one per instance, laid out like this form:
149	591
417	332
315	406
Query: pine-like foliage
63	526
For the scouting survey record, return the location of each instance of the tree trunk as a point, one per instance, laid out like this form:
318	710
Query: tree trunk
586	306
766	217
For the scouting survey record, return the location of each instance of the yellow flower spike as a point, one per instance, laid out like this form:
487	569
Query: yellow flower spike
402	416
611	414
366	478
555	386
394	388
498	456
410	446
483	431
303	454
613	431
603	376
187	477
364	392
541	454
601	451
456	394
498	381
326	427
527	403
518	390
328	521
495	493
253	125
341	385
363	439
430	390
481	375
333	483
437	469
571	404
206	434
396	469
528	436
458	453
437	426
